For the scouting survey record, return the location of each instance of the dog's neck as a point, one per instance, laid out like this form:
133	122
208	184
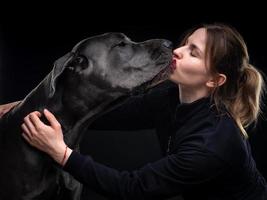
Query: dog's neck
75	114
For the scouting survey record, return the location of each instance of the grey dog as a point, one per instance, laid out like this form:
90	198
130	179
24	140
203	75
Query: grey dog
95	77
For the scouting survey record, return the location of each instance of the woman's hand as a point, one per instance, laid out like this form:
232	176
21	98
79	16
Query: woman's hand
7	107
47	138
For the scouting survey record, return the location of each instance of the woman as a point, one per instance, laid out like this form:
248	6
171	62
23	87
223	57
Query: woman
213	96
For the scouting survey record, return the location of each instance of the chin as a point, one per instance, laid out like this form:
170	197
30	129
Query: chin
172	78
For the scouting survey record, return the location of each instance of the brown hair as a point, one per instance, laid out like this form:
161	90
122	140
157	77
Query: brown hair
226	53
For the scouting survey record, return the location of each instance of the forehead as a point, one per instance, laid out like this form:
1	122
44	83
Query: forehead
199	38
100	41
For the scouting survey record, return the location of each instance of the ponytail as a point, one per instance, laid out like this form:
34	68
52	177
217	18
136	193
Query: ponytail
246	107
242	93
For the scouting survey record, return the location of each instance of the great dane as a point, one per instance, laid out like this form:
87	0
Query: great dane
98	74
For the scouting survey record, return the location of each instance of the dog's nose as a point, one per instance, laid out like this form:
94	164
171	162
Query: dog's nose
167	44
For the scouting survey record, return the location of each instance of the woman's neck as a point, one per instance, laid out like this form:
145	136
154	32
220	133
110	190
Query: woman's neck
189	95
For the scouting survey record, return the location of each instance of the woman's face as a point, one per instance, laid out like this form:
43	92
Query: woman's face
189	67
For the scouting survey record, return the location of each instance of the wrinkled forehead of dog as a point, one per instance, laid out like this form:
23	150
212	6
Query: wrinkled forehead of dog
96	44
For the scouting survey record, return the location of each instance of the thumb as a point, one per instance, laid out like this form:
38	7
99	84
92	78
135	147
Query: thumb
52	119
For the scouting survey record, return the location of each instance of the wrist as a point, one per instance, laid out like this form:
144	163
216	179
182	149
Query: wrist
66	156
61	154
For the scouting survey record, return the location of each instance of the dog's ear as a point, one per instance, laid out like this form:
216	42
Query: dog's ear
58	68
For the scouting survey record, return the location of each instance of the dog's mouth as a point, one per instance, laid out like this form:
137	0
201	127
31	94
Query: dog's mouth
160	77
163	75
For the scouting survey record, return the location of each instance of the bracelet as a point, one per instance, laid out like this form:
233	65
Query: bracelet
64	157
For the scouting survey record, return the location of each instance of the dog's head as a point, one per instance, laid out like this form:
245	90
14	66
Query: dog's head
112	63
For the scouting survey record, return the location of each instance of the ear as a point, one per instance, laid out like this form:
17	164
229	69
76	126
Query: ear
216	81
59	66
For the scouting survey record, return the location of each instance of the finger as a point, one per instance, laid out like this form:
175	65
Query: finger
3	112
34	118
25	136
37	113
52	119
29	125
26	130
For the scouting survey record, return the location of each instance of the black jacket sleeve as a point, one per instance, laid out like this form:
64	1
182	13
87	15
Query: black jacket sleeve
162	179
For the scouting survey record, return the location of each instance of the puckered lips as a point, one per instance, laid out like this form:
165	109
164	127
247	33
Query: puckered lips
173	65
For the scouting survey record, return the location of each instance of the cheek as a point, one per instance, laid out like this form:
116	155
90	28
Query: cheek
190	73
196	68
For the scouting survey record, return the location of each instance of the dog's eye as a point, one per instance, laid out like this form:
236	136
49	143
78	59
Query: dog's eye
121	44
80	60
132	69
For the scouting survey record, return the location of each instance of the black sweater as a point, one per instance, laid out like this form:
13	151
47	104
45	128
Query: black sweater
206	155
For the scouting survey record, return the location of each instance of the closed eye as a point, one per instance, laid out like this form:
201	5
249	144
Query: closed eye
78	61
122	44
119	44
194	52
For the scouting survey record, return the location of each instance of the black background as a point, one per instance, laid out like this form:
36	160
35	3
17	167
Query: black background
31	39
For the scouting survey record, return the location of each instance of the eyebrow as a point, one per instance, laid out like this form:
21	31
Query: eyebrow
193	46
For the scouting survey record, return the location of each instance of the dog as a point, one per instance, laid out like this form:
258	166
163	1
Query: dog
97	75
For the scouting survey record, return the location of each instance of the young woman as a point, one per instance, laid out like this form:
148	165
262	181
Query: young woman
200	115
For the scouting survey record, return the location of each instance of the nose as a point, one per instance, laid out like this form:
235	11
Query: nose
167	44
177	53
